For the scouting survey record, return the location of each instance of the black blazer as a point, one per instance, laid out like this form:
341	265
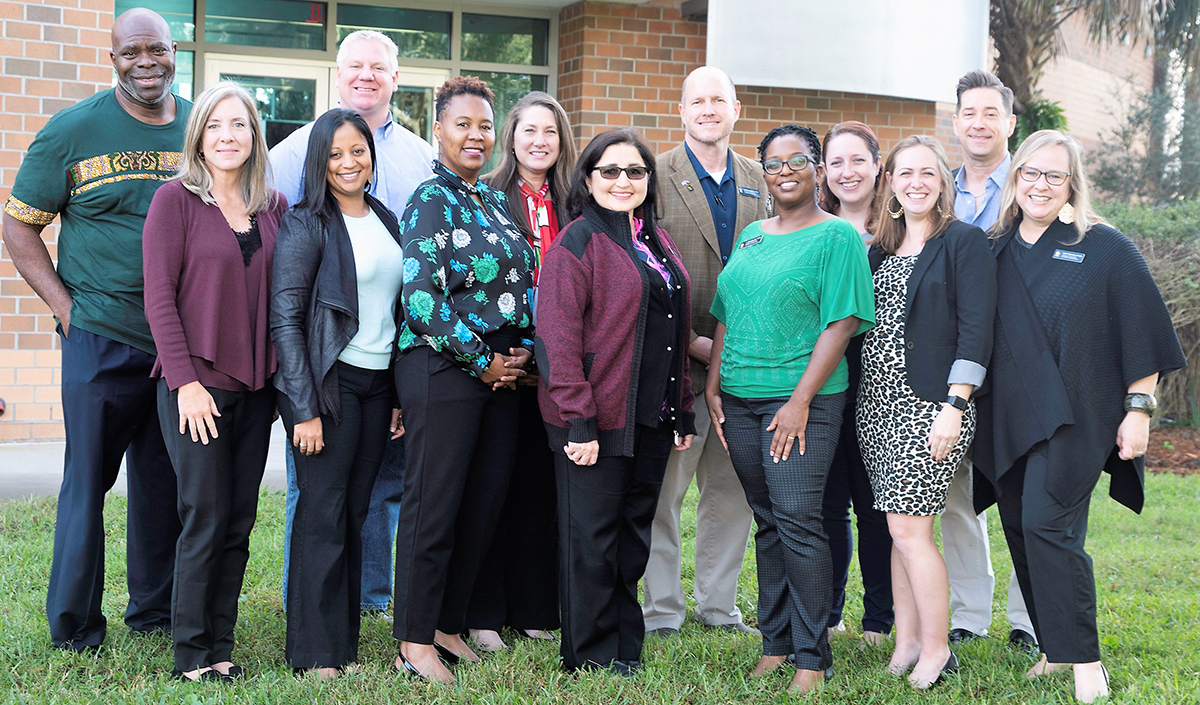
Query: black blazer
950	309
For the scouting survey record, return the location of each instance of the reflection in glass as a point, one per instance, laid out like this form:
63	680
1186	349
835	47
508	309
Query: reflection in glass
179	14
497	39
412	107
419	34
266	23
509	88
284	104
184	74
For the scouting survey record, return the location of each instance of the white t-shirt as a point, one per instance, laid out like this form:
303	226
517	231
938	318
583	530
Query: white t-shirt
379	264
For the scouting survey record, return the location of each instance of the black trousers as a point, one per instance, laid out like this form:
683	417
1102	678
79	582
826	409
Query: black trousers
1046	540
789	543
461	437
325	569
604	516
109	402
218	503
517	585
848	482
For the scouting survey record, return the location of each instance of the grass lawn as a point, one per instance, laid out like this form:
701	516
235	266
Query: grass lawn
1147	575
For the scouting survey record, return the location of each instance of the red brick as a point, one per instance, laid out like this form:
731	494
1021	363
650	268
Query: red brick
35	341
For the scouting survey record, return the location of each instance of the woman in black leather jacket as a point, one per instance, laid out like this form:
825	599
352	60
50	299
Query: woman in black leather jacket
337	275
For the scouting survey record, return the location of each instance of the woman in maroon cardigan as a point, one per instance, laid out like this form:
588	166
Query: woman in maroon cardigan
207	246
613	321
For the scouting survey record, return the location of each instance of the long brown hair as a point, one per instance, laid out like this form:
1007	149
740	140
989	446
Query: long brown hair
507	177
829	202
888	231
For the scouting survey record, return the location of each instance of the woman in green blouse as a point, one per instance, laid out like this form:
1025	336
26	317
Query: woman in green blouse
794	292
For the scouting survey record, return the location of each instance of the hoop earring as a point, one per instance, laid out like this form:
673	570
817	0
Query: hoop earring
894	213
200	155
941	212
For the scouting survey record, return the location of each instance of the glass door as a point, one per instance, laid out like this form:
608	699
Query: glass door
288	92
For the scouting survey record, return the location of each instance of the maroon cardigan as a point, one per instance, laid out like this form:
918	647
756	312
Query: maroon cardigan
591	314
197	297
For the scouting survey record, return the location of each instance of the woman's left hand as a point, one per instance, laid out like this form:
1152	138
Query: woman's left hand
1133	436
685	442
397	426
788	425
944	433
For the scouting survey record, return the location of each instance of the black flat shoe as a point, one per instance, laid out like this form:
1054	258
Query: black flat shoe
206	676
1023	640
409	670
236	673
962	636
446	655
951	667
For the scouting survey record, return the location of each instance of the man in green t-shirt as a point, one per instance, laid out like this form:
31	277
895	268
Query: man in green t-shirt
96	165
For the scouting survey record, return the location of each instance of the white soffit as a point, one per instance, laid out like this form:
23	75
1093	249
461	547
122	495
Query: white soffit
902	48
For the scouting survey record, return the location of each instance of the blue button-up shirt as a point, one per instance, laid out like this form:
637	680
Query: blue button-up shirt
403	162
985	213
722	201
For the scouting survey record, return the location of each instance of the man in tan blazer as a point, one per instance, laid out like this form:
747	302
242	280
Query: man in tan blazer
707	194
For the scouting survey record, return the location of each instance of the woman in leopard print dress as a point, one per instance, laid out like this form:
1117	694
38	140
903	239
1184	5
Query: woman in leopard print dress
935	302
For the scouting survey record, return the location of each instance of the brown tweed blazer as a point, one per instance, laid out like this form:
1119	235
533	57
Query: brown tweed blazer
686	216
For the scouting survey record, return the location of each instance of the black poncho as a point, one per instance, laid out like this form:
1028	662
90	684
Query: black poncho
1075	326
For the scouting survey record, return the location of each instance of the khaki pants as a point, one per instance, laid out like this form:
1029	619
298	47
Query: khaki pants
723	520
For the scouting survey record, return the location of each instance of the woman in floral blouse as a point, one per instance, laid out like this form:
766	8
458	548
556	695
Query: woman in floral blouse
468	276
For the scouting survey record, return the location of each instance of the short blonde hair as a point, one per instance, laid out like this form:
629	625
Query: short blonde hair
370	35
888	231
1080	196
193	172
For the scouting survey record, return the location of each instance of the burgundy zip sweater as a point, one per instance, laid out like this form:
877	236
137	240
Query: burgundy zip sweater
593	295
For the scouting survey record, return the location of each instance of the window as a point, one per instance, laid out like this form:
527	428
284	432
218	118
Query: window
184	74
266	23
497	39
419	34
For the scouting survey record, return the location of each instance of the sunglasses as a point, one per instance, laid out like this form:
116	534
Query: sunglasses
635	173
1054	178
797	163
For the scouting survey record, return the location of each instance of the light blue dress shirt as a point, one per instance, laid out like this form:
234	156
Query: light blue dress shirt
404	162
982	215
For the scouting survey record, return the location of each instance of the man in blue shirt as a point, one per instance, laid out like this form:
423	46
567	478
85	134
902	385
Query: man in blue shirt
983	122
366	79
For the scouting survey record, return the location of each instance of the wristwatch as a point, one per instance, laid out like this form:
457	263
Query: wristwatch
1137	401
957	402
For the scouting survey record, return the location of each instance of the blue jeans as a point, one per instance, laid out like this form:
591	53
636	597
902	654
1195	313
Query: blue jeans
378	533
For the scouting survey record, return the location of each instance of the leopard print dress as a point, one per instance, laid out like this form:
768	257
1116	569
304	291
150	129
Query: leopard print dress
893	424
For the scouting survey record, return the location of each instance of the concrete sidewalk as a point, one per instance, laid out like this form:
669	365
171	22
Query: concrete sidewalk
36	469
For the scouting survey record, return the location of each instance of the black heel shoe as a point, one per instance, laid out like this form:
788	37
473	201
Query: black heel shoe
409	670
446	655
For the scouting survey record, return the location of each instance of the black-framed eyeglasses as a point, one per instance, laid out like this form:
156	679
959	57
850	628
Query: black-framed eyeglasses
1054	178
635	173
797	163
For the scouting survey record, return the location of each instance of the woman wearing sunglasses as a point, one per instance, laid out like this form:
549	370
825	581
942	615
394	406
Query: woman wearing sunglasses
794	292
613	327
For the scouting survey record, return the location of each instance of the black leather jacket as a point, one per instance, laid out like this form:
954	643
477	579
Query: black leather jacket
314	307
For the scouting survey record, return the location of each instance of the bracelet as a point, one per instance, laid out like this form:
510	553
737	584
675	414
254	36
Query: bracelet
1139	401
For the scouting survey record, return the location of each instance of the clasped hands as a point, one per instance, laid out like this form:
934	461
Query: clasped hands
504	370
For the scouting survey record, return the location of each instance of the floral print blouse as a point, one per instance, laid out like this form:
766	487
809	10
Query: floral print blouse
468	271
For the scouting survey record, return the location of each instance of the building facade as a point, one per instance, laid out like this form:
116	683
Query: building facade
609	63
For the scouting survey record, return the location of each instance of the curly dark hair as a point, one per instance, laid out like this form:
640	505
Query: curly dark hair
805	133
462	85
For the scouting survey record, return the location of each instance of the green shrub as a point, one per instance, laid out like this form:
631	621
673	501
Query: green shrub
1169	239
1038	115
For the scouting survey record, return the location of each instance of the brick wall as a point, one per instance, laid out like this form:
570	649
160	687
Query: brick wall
624	65
54	54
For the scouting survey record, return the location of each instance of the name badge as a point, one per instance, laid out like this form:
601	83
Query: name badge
1069	256
751	192
751	242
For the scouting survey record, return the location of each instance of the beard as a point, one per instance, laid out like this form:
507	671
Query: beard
132	93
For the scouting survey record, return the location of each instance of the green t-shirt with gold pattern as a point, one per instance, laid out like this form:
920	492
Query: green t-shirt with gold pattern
778	293
96	167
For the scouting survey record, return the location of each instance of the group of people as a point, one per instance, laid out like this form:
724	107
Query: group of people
513	376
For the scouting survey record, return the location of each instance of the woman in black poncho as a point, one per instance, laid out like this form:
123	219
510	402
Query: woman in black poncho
1082	335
